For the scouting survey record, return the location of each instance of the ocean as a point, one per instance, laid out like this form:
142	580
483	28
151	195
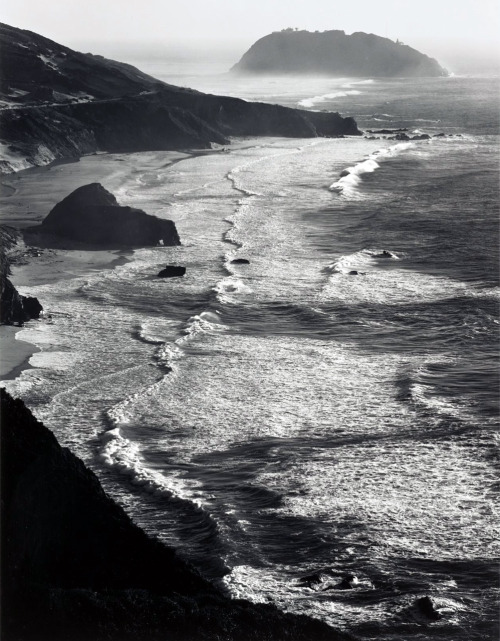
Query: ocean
325	416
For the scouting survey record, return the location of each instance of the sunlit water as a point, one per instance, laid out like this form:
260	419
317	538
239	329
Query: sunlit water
286	417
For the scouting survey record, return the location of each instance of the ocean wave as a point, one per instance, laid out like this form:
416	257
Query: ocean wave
350	178
344	91
230	286
311	102
120	453
206	322
363	259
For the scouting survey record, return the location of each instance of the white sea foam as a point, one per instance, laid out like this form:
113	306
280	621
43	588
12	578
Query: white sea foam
364	259
230	287
344	91
118	452
315	100
350	179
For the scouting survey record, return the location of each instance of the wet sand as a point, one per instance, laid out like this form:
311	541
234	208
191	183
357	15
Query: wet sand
28	196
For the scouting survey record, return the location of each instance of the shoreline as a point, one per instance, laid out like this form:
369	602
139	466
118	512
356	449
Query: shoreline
15	353
50	266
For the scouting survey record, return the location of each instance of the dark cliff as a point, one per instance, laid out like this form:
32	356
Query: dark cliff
91	214
62	104
337	54
14	308
74	566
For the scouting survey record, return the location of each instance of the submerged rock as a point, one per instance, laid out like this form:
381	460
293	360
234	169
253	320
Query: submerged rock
91	214
171	271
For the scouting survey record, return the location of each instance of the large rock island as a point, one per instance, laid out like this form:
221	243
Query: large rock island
58	103
335	53
75	567
91	214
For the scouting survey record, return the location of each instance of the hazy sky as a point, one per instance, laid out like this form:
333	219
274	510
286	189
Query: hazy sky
440	28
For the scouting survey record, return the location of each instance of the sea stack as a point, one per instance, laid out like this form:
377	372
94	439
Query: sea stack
91	214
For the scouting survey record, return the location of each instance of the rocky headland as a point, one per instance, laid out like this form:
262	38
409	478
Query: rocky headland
14	308
56	103
335	53
91	214
74	566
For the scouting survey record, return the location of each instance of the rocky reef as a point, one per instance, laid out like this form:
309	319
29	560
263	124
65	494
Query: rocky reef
336	54
14	308
74	566
59	103
91	214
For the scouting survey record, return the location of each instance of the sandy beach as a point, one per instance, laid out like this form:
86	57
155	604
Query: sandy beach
25	199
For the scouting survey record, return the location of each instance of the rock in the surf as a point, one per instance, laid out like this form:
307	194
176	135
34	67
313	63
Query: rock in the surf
171	271
240	261
426	606
384	254
348	582
91	214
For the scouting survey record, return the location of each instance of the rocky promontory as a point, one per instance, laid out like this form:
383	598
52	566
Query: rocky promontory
91	214
74	566
58	103
14	308
335	53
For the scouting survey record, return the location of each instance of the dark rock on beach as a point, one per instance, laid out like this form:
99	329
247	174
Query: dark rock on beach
91	214
14	308
240	261
335	53
171	271
74	566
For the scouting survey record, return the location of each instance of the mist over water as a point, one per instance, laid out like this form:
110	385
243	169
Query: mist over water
330	408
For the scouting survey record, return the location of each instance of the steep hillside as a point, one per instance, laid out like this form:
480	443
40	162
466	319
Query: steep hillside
57	103
75	567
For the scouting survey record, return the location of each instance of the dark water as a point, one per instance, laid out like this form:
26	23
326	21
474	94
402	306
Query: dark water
289	417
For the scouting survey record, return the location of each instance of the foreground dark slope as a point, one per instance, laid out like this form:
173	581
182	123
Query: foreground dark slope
58	103
337	54
75	567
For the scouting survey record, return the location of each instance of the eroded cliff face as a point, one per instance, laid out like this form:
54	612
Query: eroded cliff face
337	54
14	308
58	103
74	566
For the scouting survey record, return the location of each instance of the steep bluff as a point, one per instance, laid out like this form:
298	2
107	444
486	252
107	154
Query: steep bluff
337	54
74	566
91	214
